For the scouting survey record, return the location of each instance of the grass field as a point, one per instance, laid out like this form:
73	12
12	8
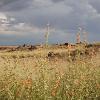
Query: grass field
32	75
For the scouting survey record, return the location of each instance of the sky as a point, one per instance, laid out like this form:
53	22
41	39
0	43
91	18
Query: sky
25	21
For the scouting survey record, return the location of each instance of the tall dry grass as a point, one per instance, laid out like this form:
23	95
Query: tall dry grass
31	76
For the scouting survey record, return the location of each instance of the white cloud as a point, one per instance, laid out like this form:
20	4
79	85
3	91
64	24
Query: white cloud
20	29
3	16
12	19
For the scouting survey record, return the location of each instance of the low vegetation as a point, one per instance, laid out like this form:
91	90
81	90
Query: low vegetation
50	74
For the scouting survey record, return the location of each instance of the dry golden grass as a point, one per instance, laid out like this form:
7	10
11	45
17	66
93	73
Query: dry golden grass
30	75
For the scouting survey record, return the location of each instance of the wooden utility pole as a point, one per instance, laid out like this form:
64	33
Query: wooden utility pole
47	34
78	35
85	37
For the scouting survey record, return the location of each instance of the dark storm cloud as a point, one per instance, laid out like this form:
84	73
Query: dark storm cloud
64	15
14	5
55	1
5	2
95	4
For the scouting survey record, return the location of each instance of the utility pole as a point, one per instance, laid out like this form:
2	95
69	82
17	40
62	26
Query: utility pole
78	35
85	37
47	34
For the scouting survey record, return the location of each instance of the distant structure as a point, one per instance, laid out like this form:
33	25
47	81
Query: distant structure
78	35
82	33
47	34
85	37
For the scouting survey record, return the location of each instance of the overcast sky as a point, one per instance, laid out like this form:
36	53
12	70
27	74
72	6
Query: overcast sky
24	21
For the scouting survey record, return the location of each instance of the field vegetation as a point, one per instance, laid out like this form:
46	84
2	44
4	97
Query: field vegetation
53	73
